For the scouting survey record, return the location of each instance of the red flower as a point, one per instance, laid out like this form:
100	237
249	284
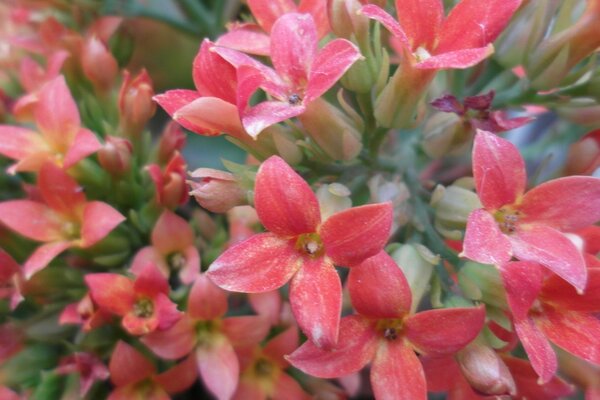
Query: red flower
301	248
143	303
528	226
65	219
385	333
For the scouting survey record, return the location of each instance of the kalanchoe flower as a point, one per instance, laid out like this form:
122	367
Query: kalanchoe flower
61	139
143	302
217	191
212	337
302	73
385	333
65	219
301	249
172	140
84	313
89	367
172	249
528	226
135	103
171	190
115	156
98	64
550	310
135	377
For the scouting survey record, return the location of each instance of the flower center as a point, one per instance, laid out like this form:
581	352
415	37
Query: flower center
390	329
143	308
263	367
176	261
421	54
310	244
294	99
70	230
507	219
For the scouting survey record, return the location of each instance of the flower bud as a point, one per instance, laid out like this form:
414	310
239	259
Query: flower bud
452	205
333	198
98	64
485	371
481	282
115	156
332	130
217	191
444	133
171	140
584	155
136	106
171	189
582	111
395	191
417	262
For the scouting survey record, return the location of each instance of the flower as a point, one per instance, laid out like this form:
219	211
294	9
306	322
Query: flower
301	249
169	182
386	333
528	226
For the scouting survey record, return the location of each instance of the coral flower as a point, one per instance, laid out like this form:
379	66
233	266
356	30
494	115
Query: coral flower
528	226
65	219
301	248
61	139
385	333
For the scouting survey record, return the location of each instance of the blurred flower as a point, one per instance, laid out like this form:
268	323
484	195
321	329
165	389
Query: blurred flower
135	103
171	190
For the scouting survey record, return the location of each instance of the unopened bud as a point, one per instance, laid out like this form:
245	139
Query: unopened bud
217	191
584	155
333	198
115	156
417	262
136	106
453	205
445	133
171	140
98	64
485	371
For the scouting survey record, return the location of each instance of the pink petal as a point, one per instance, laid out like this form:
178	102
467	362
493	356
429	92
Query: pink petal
353	235
56	113
523	282
551	203
285	203
8	266
576	332
553	250
266	12
261	263
173	343
219	368
179	377
150	282
316	299
484	242
458	59
166	312
328	67
281	345
440	372
287	388
84	144
128	366
294	47
261	116
356	347
111	292
421	20
498	169
397	373
148	255
31	219
172	100
171	233
538	349
444	331
213	76
247	38
244	331
61	192
378	288
42	256
560	293
210	116
474	23
17	143
135	325
191	270
528	383
206	301
99	219
267	304
385	19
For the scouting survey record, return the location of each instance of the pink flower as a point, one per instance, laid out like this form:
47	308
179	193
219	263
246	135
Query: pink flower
143	302
65	219
212	337
89	367
171	190
301	249
61	139
385	333
528	226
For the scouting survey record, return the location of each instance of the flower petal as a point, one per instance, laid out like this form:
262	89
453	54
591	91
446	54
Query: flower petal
42	256
385	19
61	192
528	383
287	388
421	20
458	59
173	343
397	373
213	76
166	311
219	368
330	64
285	203
17	143
259	117
84	144
248	330
267	304
206	301
553	250
474	23
353	235
378	288
444	331
210	116
178	378
99	219
498	169
150	282
523	282
294	47
550	203
538	349
8	266
356	347
171	233
56	113
127	365
31	219
316	299
172	100
484	242
248	38
281	345
111	292
261	263
266	12
560	293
